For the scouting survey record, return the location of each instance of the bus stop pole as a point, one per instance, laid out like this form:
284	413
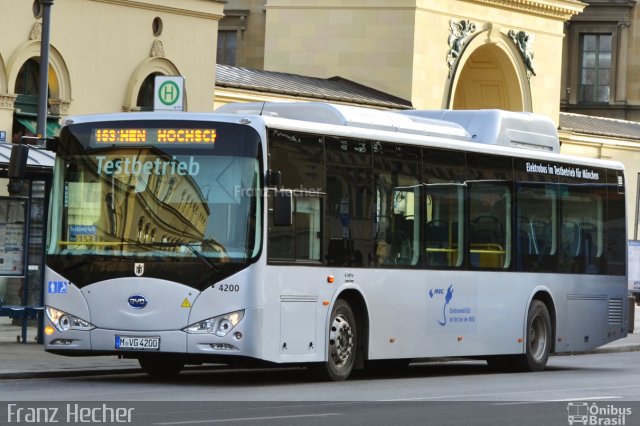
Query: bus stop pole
43	88
41	130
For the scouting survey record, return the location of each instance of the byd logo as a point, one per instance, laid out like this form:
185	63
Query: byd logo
137	301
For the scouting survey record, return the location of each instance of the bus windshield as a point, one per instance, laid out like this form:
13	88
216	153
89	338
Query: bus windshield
129	191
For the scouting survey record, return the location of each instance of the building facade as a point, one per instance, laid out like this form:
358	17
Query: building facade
600	91
436	54
103	56
600	61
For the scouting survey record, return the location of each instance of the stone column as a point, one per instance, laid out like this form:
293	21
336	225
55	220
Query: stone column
621	65
7	109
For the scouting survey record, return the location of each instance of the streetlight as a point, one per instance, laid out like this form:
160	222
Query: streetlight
43	92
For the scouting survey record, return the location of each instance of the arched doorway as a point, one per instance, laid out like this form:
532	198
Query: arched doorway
489	79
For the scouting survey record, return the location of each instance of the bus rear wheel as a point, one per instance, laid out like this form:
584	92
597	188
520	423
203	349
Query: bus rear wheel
538	344
161	367
342	345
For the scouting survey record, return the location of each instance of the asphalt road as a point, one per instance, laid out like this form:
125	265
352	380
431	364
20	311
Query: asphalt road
454	393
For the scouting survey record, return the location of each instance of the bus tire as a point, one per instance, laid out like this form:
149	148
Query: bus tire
342	344
160	367
538	339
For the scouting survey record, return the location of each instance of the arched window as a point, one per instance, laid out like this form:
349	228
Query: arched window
145	95
28	77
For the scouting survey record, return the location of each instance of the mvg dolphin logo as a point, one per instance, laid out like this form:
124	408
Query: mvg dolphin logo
447	298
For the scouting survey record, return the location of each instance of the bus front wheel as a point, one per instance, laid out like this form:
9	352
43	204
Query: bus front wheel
342	344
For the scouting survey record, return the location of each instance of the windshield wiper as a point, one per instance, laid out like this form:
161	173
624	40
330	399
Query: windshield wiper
191	248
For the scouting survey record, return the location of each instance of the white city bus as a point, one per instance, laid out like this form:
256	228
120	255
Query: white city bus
332	237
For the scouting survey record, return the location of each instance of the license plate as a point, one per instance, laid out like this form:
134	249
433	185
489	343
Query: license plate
138	342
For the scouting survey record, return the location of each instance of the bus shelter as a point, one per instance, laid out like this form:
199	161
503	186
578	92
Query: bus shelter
23	220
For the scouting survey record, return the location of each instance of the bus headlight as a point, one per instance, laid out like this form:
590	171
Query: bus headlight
64	321
220	325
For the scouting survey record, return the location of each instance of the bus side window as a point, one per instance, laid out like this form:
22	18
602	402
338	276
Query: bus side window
582	231
300	159
535	214
300	241
443	240
489	225
349	202
397	206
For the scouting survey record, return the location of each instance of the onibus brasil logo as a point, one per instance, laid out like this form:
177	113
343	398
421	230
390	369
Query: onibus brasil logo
593	414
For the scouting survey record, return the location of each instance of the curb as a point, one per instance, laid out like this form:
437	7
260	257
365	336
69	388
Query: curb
614	349
98	371
68	373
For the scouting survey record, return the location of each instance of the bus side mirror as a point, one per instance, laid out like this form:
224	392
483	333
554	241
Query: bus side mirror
283	207
17	168
274	178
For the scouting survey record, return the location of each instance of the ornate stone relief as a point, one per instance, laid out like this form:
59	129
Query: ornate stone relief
157	49
523	42
458	35
59	106
7	100
36	31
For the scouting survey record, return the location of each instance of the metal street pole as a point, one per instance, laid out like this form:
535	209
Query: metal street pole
43	92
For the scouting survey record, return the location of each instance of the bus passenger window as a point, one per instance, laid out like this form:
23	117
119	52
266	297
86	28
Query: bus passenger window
489	225
397	206
536	206
581	234
443	240
301	240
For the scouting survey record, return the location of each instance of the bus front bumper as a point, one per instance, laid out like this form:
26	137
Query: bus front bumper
242	340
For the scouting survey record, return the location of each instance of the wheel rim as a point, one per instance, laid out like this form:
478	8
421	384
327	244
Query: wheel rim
341	340
538	337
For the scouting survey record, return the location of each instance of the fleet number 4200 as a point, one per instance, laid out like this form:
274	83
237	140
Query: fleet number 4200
229	287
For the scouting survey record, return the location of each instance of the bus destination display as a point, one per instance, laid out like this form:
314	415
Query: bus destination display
153	136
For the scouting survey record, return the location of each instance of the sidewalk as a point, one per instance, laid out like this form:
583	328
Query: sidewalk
29	360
